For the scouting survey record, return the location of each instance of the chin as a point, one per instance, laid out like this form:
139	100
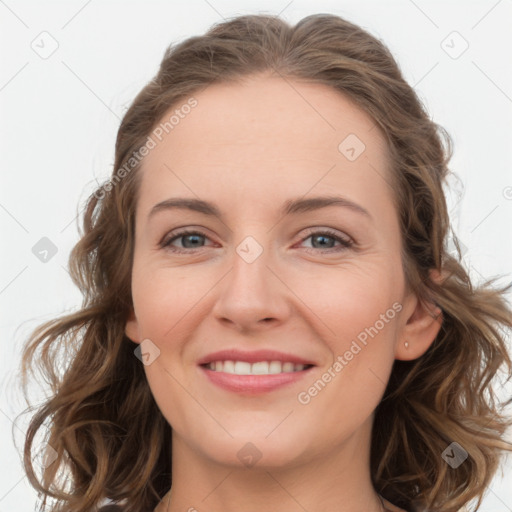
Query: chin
255	449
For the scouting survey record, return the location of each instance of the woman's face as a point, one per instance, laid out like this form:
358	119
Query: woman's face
278	275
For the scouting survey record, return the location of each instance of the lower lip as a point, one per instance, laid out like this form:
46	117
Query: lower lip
253	383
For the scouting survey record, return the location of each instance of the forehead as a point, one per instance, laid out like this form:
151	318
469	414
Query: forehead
264	134
288	108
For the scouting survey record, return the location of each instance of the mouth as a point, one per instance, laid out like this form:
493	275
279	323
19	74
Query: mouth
256	368
253	372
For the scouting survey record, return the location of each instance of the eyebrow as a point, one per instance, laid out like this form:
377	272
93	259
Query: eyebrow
290	207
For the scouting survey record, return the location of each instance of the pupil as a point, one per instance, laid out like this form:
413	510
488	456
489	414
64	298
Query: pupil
194	243
321	237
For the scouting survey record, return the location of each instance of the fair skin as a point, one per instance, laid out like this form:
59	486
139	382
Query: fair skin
249	148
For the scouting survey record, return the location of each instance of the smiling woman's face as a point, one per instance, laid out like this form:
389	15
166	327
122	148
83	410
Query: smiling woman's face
321	285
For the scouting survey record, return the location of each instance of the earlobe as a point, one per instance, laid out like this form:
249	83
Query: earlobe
419	332
421	327
132	327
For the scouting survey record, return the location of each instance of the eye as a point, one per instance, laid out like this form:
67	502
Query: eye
191	240
321	239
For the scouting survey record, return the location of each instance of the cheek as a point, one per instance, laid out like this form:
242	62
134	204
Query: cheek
164	301
352	299
164	297
357	319
356	315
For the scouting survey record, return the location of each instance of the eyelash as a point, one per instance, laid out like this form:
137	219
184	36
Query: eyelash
346	244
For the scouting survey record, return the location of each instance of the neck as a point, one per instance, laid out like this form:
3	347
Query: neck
338	480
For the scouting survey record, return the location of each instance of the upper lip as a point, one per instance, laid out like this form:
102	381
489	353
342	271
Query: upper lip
253	356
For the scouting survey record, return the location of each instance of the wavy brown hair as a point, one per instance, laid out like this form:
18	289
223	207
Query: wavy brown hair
110	438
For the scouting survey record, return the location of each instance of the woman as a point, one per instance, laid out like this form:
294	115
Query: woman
271	318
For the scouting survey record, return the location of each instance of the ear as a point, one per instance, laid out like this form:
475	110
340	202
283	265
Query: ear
132	327
421	328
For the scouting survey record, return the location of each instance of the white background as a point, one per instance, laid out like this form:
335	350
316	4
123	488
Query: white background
59	118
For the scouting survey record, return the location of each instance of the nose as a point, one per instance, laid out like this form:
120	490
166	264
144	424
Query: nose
252	295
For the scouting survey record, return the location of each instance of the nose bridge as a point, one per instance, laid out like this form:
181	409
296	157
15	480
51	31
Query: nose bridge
251	274
250	291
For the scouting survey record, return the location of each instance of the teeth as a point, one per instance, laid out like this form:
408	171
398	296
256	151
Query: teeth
259	368
287	367
228	366
242	368
275	367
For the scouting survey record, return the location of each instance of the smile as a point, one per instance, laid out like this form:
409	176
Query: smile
257	368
